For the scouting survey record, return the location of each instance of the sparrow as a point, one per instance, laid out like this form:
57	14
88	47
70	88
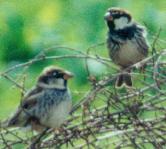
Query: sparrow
126	42
47	104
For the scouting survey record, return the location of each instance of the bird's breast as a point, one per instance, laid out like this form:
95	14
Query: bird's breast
128	54
55	109
58	114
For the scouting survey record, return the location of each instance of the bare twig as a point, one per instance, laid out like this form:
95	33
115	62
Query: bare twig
104	116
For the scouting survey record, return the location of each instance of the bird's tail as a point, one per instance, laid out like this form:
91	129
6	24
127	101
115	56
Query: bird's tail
17	119
124	79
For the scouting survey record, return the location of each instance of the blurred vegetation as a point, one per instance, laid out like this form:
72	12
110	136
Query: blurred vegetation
28	27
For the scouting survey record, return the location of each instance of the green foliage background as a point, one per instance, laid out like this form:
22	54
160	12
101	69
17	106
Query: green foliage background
29	26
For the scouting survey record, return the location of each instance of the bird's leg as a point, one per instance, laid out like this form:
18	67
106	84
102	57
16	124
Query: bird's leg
58	131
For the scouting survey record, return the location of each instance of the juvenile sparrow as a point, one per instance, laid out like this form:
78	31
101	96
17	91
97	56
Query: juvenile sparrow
47	104
126	42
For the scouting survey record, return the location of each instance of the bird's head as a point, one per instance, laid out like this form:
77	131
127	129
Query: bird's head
118	18
54	77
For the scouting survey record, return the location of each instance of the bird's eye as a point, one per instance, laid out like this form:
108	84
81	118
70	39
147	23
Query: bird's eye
54	73
25	106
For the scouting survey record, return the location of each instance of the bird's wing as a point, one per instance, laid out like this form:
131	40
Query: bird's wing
143	44
30	98
22	114
32	92
141	40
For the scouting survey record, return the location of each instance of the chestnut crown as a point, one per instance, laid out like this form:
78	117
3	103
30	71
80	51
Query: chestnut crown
51	74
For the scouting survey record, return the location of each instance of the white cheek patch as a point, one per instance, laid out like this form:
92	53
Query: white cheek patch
56	83
60	82
121	23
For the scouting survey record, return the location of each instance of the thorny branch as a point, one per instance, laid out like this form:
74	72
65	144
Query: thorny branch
105	117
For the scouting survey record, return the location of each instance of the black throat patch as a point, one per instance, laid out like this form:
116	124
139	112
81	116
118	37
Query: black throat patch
124	34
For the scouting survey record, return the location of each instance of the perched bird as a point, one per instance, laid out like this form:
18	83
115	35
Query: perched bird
126	42
47	104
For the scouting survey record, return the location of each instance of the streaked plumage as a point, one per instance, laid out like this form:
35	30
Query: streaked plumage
45	105
126	41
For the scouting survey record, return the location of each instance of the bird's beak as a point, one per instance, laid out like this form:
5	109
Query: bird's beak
67	75
108	16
